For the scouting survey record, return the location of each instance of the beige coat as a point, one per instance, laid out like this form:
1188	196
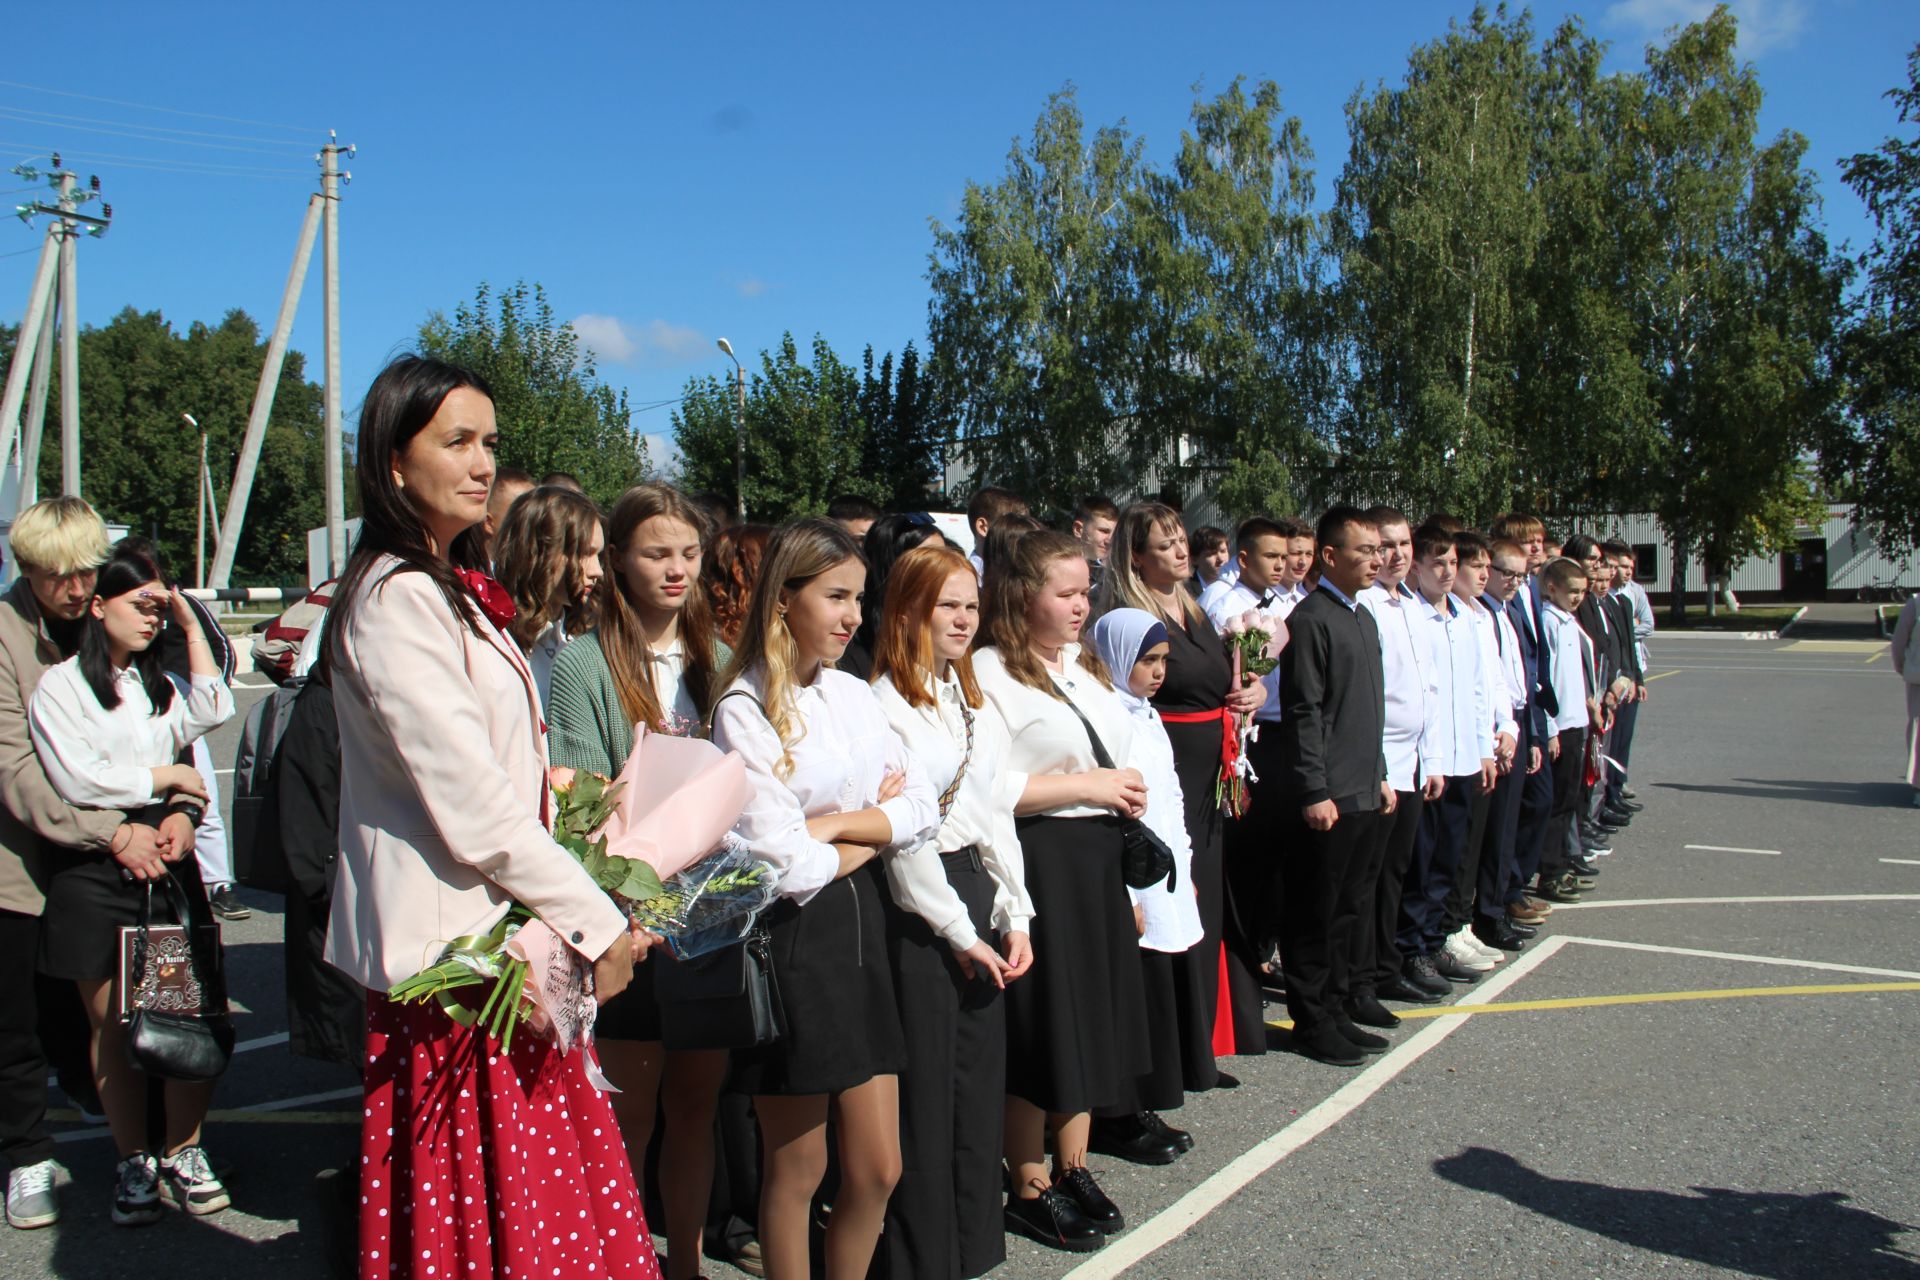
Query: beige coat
443	769
31	811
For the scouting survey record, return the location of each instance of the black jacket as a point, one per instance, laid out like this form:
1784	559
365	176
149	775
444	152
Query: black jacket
1333	706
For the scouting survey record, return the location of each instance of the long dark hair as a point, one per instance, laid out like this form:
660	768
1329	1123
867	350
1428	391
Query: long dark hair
888	538
401	401
127	569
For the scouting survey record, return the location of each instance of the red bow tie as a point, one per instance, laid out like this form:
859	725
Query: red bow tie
490	596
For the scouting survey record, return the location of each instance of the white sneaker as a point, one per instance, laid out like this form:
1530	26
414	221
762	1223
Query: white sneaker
187	1182
136	1194
30	1201
1494	954
1465	956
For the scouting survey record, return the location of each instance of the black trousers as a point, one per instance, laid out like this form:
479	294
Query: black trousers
1499	876
1536	810
1620	747
23	1067
1567	776
1253	852
1320	872
1376	955
1437	851
1464	889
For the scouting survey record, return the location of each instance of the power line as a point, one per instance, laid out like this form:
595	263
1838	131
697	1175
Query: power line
17	252
55	118
27	118
205	168
148	106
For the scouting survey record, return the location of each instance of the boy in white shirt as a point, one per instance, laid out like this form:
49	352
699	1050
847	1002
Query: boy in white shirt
1478	874
1564	583
1465	738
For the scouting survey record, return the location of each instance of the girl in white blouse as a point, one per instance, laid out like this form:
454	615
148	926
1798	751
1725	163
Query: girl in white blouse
952	895
1076	1028
832	784
109	726
547	554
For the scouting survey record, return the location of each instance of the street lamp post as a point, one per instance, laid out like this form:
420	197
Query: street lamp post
739	433
200	524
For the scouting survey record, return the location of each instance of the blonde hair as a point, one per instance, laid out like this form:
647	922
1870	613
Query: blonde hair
536	555
1121	587
60	536
1012	585
797	553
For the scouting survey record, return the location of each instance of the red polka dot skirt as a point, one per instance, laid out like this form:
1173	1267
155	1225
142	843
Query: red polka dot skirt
476	1165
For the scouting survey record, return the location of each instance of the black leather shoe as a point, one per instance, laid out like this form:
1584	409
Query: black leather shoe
1421	972
1499	935
1325	1044
1616	813
1369	1012
1405	992
1452	970
1126	1138
1519	930
1152	1122
1053	1219
1221	1080
1077	1185
1364	1041
1584	867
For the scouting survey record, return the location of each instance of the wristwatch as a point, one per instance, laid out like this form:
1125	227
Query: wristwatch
196	813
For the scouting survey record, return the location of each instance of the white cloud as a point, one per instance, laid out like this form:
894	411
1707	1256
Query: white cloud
658	342
1764	24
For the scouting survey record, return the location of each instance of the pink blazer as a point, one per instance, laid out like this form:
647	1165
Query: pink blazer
443	766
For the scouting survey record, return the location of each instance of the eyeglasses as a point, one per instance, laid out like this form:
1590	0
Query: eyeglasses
1509	573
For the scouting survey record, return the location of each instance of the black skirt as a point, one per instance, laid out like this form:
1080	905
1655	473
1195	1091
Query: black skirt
945	1216
634	1014
89	901
836	990
1076	1024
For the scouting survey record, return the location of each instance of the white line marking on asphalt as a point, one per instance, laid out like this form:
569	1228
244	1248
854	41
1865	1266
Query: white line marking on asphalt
1783	961
221	773
1712	902
294	1104
1903	862
1684	665
262	1042
249	684
1732	848
1176	1219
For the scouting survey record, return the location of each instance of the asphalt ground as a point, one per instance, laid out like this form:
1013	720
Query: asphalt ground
1665	1083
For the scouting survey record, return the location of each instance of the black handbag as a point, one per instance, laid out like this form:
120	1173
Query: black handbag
167	1042
726	999
1145	859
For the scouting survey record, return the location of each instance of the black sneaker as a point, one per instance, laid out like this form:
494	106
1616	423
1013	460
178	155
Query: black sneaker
1420	971
1078	1185
1452	970
1053	1219
227	905
136	1194
1153	1123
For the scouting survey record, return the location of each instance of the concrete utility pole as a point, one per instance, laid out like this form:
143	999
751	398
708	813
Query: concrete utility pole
330	177
32	326
69	345
36	424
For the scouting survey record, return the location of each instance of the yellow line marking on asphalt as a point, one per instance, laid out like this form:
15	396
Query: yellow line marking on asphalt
1652	997
1875	658
1662	676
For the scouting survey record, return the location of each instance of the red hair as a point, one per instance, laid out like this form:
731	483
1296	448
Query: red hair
903	642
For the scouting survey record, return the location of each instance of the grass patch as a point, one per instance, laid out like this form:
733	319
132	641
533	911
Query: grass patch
1753	617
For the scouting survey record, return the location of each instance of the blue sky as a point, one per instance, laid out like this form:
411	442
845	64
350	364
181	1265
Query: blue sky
673	174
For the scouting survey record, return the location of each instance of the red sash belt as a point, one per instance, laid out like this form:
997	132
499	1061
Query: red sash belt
1229	733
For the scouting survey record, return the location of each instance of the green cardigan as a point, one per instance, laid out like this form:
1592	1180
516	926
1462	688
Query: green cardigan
587	728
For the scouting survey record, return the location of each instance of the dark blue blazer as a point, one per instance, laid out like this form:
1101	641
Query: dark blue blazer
1533	658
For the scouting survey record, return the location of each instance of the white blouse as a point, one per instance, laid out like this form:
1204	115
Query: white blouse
546	647
668	667
845	747
1047	736
103	759
1172	915
981	814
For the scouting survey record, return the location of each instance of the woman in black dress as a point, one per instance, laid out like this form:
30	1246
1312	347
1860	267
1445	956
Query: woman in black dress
1147	568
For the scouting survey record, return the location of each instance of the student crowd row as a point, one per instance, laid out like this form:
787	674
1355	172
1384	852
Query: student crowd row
946	755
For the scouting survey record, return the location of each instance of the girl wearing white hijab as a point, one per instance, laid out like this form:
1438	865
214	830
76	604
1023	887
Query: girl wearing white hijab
1134	645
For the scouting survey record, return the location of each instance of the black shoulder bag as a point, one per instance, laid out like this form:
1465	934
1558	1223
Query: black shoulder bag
726	999
176	992
1145	859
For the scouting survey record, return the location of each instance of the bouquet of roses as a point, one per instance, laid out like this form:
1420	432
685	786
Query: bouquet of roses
659	841
1254	641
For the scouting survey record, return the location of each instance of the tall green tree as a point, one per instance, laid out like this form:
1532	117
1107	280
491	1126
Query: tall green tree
1225	361
140	462
1437	219
1879	455
1736	296
804	431
1026	345
554	412
905	430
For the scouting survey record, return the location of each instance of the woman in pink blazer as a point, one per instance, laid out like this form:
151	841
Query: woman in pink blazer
474	1161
